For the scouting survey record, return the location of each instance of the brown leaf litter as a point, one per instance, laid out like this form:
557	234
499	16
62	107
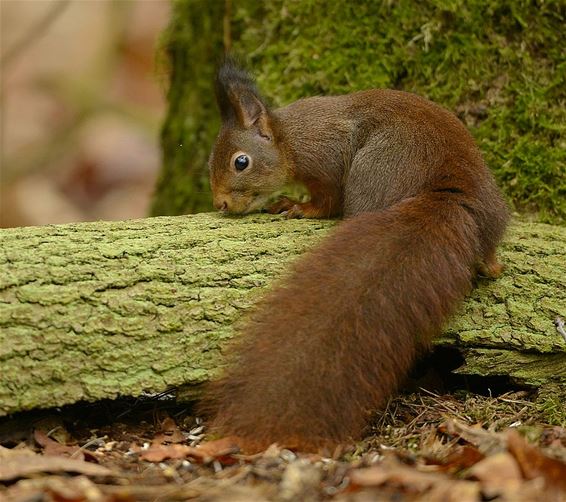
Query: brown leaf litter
423	447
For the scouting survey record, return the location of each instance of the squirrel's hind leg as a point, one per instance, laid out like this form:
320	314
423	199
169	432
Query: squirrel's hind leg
490	267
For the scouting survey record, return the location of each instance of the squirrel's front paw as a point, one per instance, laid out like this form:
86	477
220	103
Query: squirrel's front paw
295	212
282	205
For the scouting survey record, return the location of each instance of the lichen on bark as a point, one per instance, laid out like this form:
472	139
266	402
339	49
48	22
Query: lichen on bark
106	309
103	309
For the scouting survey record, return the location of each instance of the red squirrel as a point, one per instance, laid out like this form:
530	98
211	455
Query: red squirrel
422	215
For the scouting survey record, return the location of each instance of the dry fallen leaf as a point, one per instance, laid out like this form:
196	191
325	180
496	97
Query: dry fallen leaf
461	457
54	448
498	474
454	491
160	452
435	487
171	431
534	463
217	449
205	453
78	489
487	442
22	462
400	476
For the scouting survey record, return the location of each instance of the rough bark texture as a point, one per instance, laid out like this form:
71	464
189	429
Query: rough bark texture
104	309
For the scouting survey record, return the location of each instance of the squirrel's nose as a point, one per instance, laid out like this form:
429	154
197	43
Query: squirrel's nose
221	205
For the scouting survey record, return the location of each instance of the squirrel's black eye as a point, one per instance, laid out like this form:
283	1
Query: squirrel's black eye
241	162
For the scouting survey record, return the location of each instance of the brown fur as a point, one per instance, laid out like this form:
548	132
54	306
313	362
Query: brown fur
332	342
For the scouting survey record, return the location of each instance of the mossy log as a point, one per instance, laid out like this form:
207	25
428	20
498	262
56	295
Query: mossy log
107	309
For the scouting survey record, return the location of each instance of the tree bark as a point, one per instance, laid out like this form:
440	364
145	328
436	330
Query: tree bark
193	45
106	309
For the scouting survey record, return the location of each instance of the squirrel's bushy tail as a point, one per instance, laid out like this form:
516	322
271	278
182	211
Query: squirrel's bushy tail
332	342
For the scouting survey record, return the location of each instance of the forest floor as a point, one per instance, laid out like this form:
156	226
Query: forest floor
424	446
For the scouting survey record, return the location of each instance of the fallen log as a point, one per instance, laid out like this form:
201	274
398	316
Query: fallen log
99	310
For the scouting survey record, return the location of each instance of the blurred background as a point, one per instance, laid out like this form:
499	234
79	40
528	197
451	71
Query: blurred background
82	102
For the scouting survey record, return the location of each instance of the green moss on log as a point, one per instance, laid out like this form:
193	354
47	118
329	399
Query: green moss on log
499	65
518	310
107	309
98	310
522	367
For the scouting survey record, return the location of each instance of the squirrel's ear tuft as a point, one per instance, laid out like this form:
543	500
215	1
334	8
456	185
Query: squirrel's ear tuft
238	98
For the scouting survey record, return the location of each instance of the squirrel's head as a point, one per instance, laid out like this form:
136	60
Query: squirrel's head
246	165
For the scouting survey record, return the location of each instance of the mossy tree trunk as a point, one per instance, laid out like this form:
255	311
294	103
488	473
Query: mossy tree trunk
106	309
193	44
497	64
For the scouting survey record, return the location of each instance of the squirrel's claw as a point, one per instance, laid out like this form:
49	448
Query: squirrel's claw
295	212
283	205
